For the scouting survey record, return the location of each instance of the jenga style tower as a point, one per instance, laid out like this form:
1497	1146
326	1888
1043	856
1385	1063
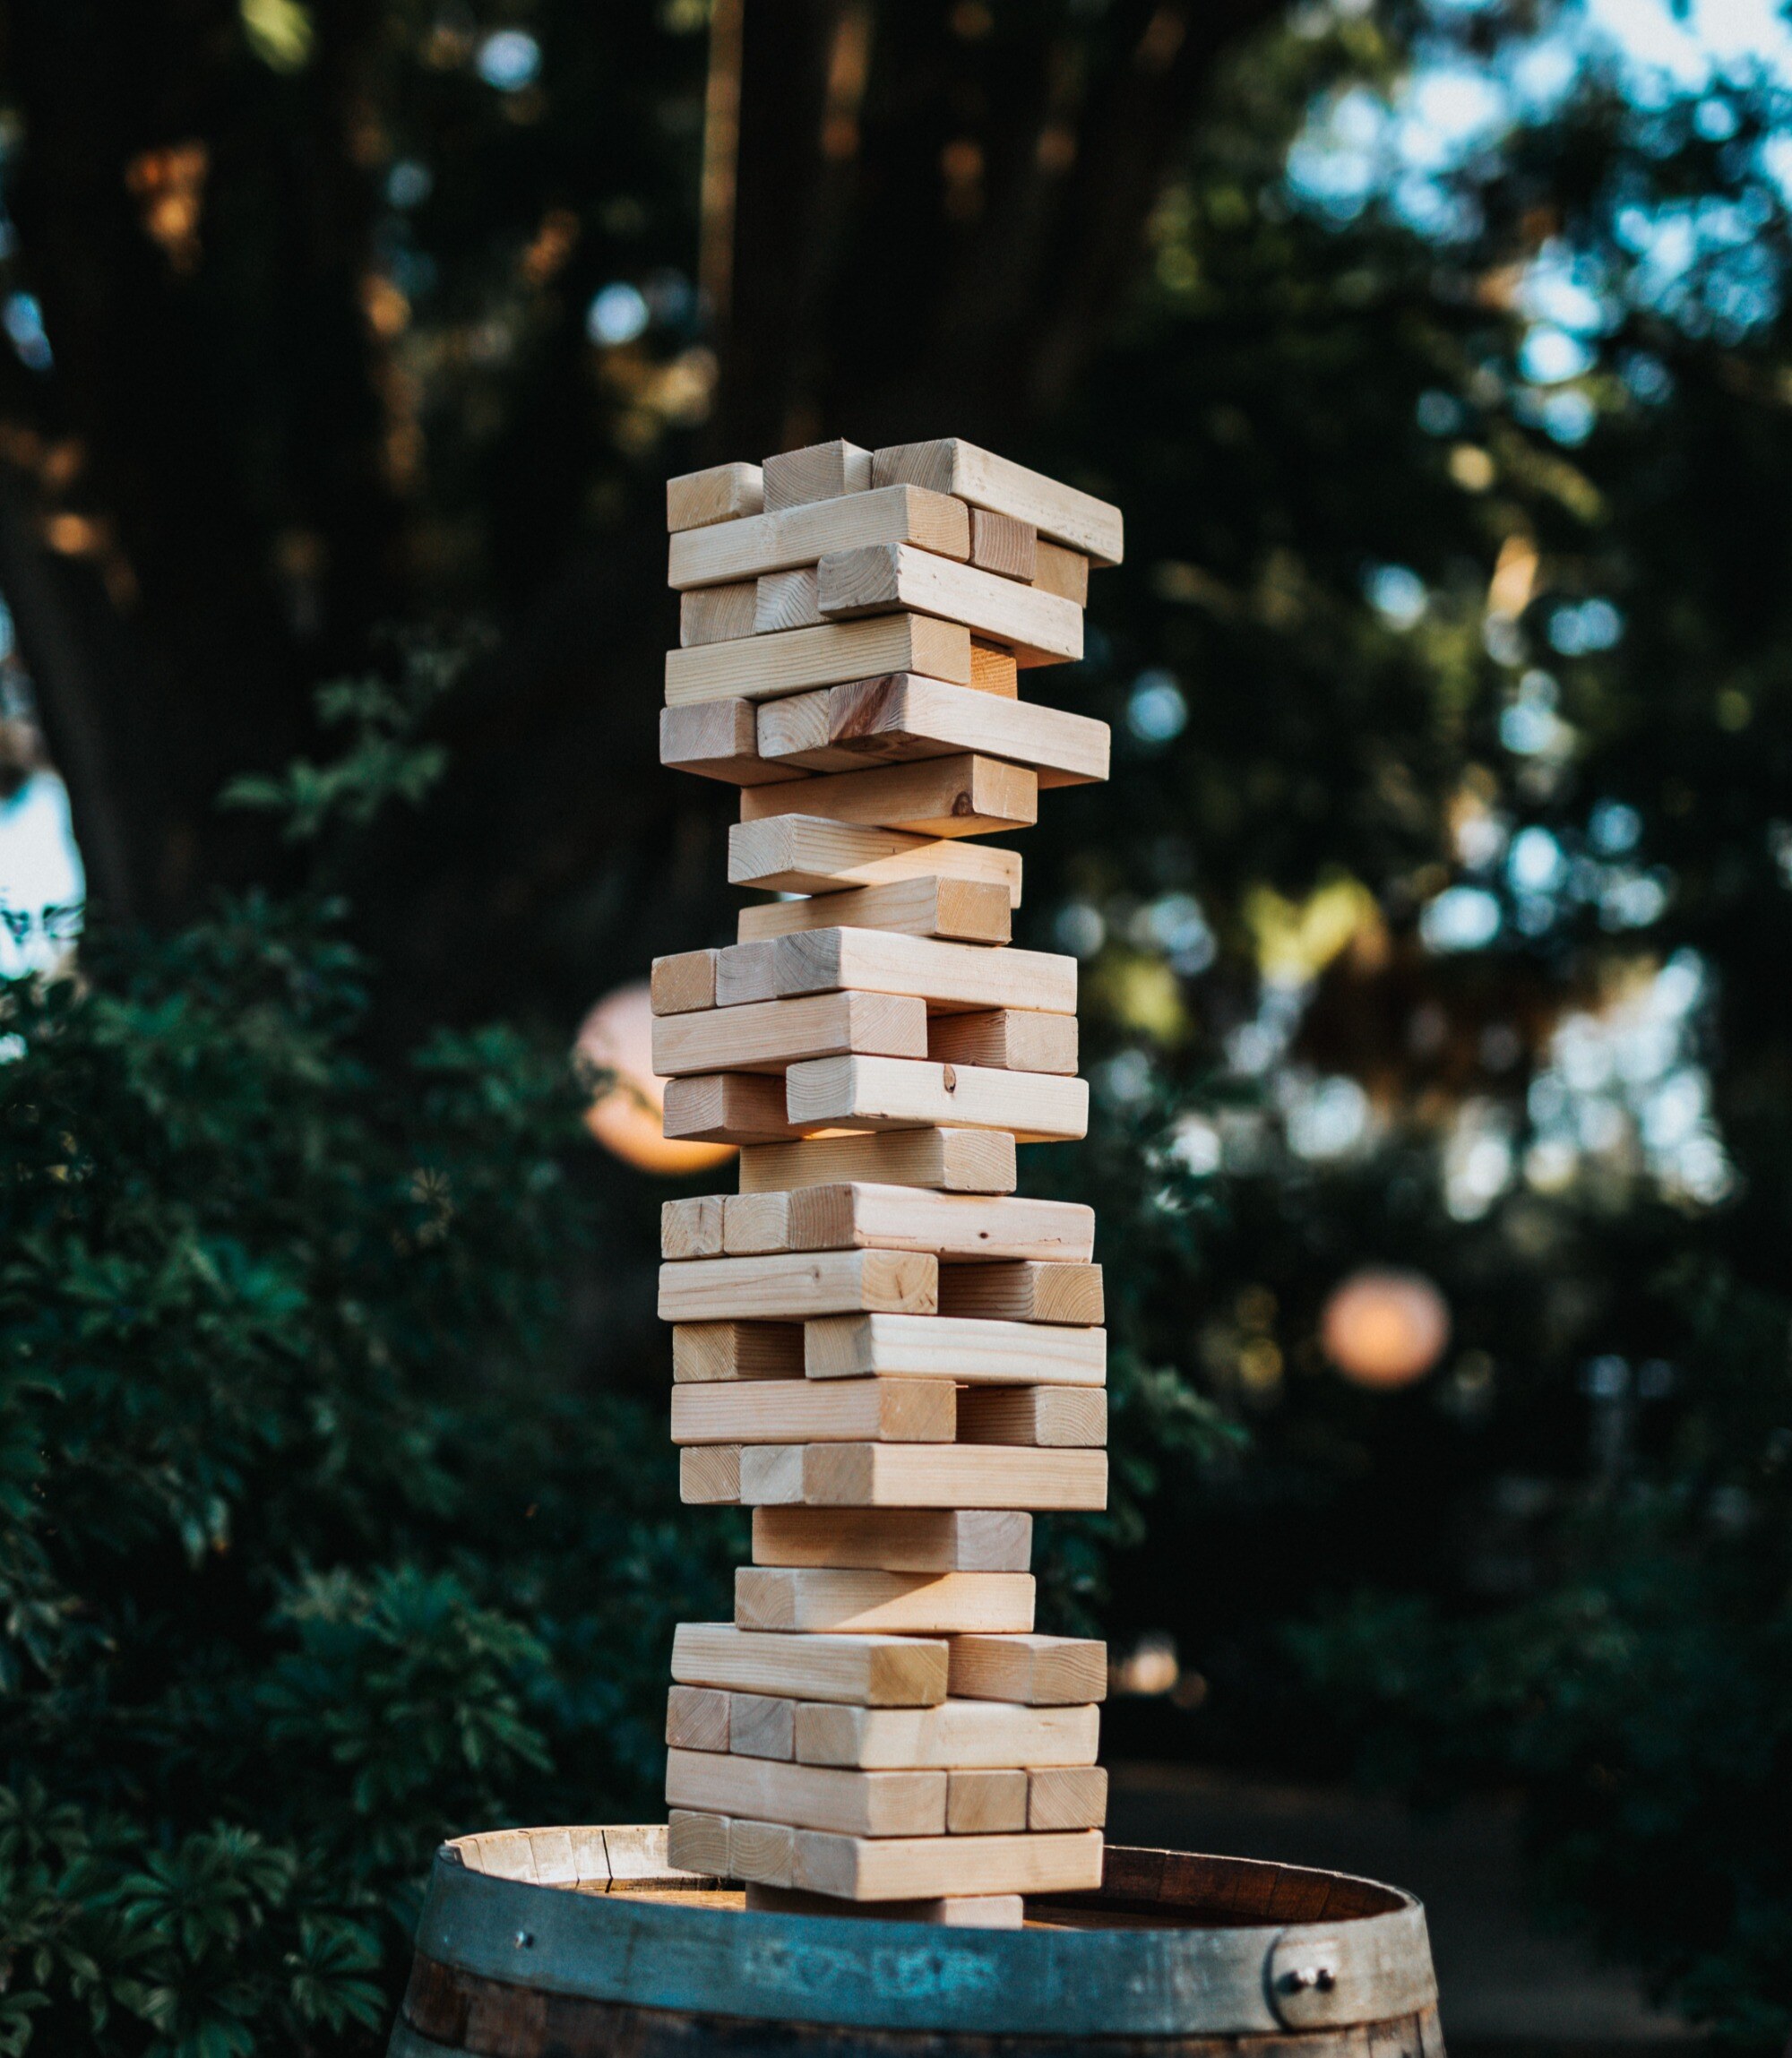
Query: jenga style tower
878	1347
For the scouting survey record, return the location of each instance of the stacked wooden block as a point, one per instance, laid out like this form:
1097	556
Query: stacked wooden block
879	1347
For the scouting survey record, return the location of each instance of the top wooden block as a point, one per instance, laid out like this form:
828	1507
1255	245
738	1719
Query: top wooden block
821	471
724	492
726	554
950	465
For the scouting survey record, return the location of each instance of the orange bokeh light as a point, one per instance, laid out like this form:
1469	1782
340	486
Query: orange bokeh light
627	1117
1384	1328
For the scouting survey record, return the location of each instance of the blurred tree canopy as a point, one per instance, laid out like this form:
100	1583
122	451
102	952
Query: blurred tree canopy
1438	913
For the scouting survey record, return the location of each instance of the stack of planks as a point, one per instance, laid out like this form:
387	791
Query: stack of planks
878	1347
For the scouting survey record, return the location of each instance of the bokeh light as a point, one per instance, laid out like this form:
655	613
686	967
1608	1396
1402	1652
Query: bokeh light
1384	1328
627	1117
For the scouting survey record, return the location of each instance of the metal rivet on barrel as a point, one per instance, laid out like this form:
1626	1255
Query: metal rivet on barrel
1301	1977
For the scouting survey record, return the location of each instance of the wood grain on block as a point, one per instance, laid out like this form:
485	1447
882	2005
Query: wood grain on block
793	1285
771	1035
718	739
1063	1671
947	976
762	1725
913	1093
900	717
691	1228
1001	544
763	1851
745	973
1039	627
957	1911
836	1598
717	613
961	910
1065	1797
895	1539
727	1108
761	668
921	1475
954	1224
1025	1293
755	1223
1011	1039
867	1671
993	670
705	1351
1060	1417
987	1801
781	600
709	1476
698	1843
950	465
808	1796
969	1351
721	493
808	854
1064	573
937	796
969	1733
697	1718
783	541
818	471
952	1160
682	982
901	1868
809	1410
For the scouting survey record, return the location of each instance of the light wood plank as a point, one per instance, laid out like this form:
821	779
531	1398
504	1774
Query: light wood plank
900	1868
1011	1040
974	1911
961	910
762	1725
760	668
783	600
746	973
993	670
818	471
974	1353
709	1476
1001	544
947	976
950	465
719	493
1059	1417
698	1843
754	1224
807	854
772	1035
806	1410
954	1224
953	1160
691	1228
706	1351
937	796
1039	1671
903	1093
838	1599
1025	1293
717	613
793	1287
1064	573
763	1851
989	1801
895	1539
867	1671
1063	1797
811	1797
1039	627
718	739
697	1718
955	1732
682	982
727	1108
921	1475
780	541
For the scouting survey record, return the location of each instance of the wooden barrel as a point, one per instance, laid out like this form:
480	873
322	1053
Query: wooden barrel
568	1944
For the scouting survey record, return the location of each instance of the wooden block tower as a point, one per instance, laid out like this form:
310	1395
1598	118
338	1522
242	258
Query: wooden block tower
878	1347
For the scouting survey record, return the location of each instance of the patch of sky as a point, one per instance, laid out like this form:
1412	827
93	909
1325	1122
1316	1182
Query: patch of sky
1614	827
22	318
1588	626
1080	929
509	60
1397	593
1174	924
1530	726
1459	918
1156	710
618	314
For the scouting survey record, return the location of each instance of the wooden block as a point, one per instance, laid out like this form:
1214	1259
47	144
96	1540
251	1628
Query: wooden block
954	1733
791	1288
1063	1797
727	1108
772	1035
793	536
762	1725
973	1353
958	1911
722	493
900	717
754	1224
1061	1417
746	974
1025	1293
717	613
993	670
1001	544
761	1852
907	1868
810	1598
709	1476
718	739
807	1411
1011	1039
921	1475
1064	573
761	668
869	1671
913	1093
988	1801
682	982
948	976
954	1160
1039	627
937	796
697	1718
808	1796
698	1843
895	1539
954	1224
807	854
705	1351
961	910
782	600
950	465
1041	1671
820	472
691	1228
